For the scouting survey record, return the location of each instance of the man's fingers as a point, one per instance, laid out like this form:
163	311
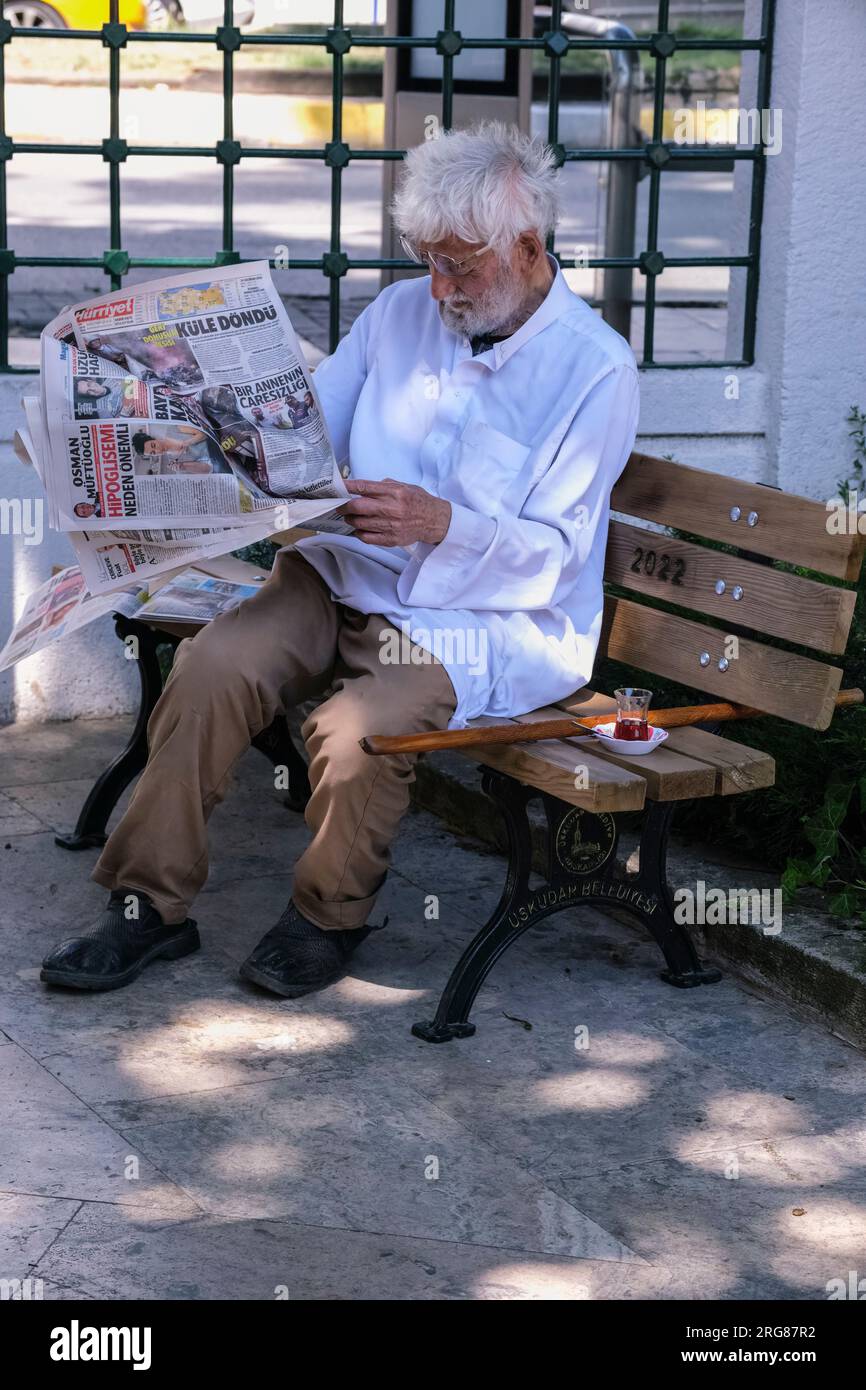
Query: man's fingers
375	538
381	525
371	506
359	506
368	488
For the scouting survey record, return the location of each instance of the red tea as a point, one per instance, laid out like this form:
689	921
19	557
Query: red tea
632	729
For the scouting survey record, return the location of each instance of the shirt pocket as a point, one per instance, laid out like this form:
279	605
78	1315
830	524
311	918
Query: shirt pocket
489	467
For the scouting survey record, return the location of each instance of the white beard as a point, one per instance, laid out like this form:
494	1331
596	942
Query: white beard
494	307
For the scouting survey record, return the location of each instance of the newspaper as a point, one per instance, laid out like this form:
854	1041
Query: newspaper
196	597
62	605
178	421
110	559
186	400
59	606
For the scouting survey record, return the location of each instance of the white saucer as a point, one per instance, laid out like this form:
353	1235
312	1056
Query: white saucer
632	748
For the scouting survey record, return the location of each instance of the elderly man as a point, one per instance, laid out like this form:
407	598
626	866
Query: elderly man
485	414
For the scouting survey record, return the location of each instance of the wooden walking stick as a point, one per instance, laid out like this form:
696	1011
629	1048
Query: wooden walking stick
569	726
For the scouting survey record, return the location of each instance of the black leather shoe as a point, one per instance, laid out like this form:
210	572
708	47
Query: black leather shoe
296	957
116	949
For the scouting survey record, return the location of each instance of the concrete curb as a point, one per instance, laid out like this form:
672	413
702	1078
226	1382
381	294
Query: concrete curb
815	963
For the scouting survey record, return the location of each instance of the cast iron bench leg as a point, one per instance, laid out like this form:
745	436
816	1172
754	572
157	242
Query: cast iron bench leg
108	788
581	858
684	968
275	742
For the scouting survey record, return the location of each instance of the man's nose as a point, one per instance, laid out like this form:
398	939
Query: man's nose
441	287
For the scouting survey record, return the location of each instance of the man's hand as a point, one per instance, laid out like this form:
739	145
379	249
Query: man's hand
392	513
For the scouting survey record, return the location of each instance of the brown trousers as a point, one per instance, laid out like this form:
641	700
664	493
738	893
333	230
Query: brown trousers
288	643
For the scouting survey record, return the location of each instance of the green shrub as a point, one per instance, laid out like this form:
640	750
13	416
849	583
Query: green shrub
259	553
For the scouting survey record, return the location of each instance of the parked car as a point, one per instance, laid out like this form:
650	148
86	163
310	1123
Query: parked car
72	14
201	15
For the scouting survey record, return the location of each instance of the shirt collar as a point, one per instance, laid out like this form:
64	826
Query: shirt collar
558	300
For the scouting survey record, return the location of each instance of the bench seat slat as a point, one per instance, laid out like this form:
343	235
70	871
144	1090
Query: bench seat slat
551	766
669	775
735	766
738	768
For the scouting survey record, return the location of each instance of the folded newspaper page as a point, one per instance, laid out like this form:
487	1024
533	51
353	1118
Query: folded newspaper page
59	606
195	597
184	402
110	559
62	605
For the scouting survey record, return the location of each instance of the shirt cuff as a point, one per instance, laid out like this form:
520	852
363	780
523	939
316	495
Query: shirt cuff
429	578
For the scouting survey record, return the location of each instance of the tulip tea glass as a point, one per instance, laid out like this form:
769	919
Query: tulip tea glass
632	708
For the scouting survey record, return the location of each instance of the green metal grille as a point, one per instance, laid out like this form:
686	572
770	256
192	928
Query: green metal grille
658	155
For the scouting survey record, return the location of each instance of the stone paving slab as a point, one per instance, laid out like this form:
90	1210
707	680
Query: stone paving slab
108	1253
358	1149
29	1225
777	1219
602	1136
55	805
54	1145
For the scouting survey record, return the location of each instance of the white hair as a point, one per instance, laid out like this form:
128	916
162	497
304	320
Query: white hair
487	184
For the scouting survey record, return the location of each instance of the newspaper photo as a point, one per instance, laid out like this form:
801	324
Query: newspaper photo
195	597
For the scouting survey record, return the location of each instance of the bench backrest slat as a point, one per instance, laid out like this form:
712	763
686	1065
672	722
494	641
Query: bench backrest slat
775	602
788	527
770	600
768	678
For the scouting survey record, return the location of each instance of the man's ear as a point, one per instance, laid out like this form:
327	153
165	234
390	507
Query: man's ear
529	249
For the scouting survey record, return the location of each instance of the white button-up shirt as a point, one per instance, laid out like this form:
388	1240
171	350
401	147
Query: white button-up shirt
525	441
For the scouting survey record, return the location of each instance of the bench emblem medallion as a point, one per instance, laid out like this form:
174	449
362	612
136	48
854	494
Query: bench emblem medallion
584	840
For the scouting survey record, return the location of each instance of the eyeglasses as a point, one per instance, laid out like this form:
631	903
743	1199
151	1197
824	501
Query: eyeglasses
446	265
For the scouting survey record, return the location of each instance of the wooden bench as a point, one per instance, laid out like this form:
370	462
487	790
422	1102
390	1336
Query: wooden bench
720	606
746	596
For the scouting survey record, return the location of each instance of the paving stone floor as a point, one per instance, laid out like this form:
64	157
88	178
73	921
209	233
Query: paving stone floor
193	1138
